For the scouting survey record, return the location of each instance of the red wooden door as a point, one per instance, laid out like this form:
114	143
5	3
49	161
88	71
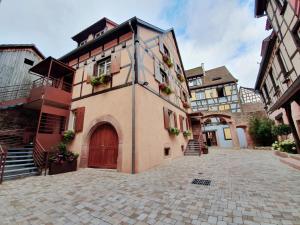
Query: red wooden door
103	151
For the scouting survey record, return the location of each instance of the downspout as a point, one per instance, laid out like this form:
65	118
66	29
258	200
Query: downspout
134	74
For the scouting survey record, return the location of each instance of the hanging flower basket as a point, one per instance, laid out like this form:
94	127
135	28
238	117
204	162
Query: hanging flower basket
102	79
180	77
187	133
167	60
165	88
174	131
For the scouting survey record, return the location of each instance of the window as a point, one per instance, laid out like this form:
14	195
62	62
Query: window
104	67
228	90
28	62
164	76
282	4
200	95
172	119
100	33
178	69
83	42
227	133
273	80
282	63
266	93
166	51
211	93
184	96
167	151
296	34
72	120
220	91
216	78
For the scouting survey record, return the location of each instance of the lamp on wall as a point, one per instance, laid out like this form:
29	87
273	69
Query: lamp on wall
145	83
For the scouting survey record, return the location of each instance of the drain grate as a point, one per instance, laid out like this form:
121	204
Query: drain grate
201	182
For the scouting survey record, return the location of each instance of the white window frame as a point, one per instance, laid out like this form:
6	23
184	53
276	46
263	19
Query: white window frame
106	67
72	120
83	43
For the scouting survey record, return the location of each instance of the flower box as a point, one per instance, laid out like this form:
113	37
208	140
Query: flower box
205	150
180	77
165	88
102	79
62	167
187	133
174	131
167	60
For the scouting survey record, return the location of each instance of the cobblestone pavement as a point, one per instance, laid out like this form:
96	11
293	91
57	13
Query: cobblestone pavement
248	187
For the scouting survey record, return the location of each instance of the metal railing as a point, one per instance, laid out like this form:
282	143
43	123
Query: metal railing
3	154
52	82
40	157
8	93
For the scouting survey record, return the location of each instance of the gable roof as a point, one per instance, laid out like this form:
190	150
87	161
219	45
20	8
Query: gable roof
212	77
93	29
198	71
22	46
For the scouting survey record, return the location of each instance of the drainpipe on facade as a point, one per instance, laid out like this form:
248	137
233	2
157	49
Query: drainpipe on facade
133	101
202	65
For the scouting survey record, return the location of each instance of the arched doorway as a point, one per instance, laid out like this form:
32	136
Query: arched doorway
103	147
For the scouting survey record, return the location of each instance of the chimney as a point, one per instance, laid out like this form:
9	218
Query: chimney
202	65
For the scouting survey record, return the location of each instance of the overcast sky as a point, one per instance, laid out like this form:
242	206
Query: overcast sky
216	33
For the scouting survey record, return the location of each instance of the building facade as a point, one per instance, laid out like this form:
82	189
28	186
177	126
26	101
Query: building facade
278	79
223	111
124	123
16	76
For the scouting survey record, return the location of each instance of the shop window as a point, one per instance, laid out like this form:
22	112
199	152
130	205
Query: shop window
227	133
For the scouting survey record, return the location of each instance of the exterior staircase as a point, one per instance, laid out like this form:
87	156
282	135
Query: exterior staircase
193	148
19	163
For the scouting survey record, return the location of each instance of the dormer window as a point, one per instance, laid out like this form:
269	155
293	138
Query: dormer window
100	32
83	43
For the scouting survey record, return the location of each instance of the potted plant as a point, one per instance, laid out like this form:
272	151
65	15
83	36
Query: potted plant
187	133
102	79
174	131
68	136
165	88
63	160
205	149
167	60
180	77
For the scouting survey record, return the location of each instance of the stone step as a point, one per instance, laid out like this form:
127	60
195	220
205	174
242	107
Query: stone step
19	170
19	149
20	161
20	175
12	157
19	165
19	153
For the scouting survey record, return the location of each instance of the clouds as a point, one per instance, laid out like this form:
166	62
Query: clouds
214	32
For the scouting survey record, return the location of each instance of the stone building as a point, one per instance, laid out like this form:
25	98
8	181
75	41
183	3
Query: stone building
278	79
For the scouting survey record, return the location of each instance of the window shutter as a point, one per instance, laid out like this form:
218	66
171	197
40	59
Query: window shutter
181	123
95	72
157	73
166	118
161	44
115	62
175	119
79	119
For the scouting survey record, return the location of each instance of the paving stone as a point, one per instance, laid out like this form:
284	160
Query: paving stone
248	187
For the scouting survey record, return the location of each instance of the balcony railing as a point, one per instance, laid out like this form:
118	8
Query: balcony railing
52	82
9	93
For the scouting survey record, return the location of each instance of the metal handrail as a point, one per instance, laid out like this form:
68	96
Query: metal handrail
3	154
8	93
40	157
52	82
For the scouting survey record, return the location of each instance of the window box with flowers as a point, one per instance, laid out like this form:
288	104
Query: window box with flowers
165	88
180	77
187	133
174	131
167	60
102	79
